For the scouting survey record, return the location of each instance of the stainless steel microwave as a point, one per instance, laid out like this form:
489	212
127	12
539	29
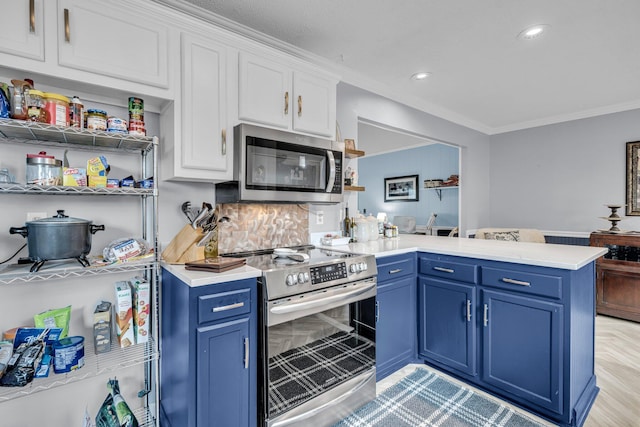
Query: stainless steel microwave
276	166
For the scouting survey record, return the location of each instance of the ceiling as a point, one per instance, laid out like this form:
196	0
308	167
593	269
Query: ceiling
483	76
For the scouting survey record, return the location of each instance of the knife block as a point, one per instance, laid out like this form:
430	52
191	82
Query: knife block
182	247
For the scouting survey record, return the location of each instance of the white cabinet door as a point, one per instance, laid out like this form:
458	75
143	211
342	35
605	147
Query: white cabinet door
104	39
315	104
264	91
22	31
275	95
203	152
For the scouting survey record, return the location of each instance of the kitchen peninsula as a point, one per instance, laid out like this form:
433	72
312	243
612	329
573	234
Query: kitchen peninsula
515	319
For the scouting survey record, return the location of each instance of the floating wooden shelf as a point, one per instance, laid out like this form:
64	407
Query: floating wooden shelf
353	188
352	154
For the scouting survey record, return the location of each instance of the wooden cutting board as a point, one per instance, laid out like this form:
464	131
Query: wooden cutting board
216	265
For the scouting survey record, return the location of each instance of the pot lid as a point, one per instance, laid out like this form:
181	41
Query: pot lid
59	218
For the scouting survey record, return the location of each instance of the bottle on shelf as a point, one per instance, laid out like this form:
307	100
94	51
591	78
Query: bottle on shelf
347	223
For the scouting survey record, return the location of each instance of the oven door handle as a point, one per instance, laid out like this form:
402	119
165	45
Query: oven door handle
314	301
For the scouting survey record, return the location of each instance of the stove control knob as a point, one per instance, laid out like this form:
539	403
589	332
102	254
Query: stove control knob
363	266
353	268
306	276
291	280
301	278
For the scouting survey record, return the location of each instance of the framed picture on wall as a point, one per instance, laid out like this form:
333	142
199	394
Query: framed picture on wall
401	189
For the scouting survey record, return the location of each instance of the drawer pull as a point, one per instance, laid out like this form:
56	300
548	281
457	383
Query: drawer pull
395	271
444	270
377	311
228	307
223	147
515	282
468	310
246	353
486	315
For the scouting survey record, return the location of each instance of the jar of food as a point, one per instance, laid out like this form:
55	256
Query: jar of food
96	119
76	113
43	169
57	107
35	106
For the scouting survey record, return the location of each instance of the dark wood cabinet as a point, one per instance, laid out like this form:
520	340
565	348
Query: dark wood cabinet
618	275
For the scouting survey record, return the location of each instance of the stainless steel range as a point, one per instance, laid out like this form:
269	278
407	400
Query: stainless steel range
317	330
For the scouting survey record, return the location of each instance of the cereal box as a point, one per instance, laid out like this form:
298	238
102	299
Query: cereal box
141	308
123	309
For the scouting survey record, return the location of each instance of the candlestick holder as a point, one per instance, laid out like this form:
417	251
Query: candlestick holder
613	218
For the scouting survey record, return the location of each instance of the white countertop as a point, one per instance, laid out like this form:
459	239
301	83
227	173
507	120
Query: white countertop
201	278
567	257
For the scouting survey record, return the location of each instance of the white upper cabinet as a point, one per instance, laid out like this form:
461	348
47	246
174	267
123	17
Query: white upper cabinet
23	28
277	95
105	39
203	146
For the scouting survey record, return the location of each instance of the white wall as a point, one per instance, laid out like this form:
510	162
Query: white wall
561	176
355	103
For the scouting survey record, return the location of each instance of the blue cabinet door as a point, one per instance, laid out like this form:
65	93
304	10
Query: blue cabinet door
396	325
222	382
522	347
447	323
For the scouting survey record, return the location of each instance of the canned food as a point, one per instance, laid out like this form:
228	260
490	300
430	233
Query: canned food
115	124
68	354
43	169
136	105
57	107
76	113
136	127
96	119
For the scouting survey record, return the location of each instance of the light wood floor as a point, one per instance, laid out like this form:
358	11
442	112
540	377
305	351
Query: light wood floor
617	370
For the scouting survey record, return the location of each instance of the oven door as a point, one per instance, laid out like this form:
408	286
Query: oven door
320	355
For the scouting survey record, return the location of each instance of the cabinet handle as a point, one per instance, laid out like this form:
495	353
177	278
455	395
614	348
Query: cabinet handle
67	29
444	270
468	310
377	311
299	105
486	315
224	142
227	307
515	282
286	103
395	271
246	353
32	16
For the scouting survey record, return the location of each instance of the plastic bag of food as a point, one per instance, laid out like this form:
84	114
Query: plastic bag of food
54	318
23	363
114	411
126	249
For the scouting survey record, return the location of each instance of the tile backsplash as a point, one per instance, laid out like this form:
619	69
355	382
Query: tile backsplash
261	226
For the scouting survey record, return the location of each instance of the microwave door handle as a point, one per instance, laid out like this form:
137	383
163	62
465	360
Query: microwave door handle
332	172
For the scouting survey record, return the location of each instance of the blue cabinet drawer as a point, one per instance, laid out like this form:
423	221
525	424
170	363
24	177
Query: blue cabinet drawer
396	266
224	304
525	282
460	271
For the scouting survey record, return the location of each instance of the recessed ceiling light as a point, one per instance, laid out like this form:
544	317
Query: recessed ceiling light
420	76
533	32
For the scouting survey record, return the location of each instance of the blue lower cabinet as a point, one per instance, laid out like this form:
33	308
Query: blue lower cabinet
524	333
447	324
522	347
208	369
396	313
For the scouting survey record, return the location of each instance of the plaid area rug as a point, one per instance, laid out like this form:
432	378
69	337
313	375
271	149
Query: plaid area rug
424	399
301	373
